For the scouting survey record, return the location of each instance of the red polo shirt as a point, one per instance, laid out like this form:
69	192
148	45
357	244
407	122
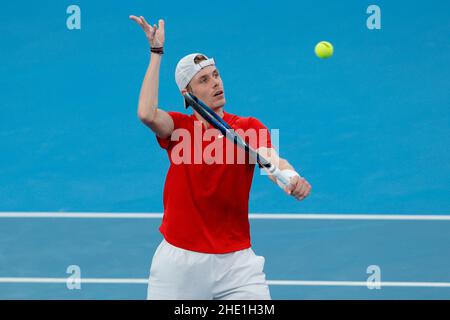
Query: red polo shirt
207	186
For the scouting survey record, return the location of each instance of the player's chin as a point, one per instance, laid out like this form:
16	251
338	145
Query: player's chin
219	102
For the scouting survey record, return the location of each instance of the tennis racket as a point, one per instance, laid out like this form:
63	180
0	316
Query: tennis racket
217	122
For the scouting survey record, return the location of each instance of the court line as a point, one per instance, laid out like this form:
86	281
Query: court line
359	284
254	216
17	280
72	280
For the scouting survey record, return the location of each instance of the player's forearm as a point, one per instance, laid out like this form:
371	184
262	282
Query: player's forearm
284	164
148	97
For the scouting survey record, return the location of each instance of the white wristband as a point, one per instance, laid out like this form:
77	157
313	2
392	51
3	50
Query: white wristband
288	173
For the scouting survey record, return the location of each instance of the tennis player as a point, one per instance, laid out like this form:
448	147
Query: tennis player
206	251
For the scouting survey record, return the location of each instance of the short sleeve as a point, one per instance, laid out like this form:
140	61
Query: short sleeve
177	118
263	134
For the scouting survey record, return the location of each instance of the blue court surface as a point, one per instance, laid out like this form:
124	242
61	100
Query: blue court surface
81	178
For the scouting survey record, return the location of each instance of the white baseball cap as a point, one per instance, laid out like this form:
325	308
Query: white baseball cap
186	69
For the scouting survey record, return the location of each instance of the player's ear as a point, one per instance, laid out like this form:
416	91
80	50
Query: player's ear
183	92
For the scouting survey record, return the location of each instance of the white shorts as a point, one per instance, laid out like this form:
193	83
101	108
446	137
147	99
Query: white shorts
187	275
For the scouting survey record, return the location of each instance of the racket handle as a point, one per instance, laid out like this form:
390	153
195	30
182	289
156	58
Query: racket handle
278	174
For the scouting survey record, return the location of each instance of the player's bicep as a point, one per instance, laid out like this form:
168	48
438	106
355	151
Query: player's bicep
263	134
162	124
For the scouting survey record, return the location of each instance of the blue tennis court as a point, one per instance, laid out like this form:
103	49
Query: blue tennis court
81	178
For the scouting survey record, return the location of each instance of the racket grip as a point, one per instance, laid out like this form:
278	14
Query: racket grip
276	172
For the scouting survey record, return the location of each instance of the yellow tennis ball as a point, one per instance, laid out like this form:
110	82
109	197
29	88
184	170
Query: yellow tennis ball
324	49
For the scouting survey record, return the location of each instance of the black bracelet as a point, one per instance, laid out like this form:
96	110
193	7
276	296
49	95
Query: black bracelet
159	50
